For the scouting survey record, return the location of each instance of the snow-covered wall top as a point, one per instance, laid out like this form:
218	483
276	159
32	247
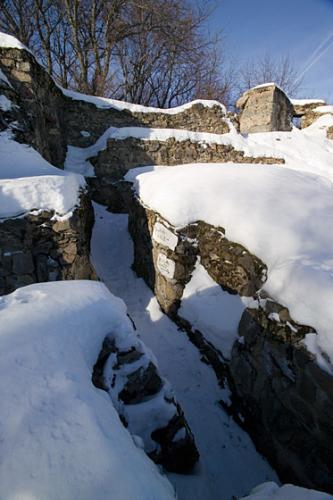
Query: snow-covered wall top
10	42
106	103
29	183
282	216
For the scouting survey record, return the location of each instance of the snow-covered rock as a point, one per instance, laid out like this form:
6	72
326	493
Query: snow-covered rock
271	491
62	437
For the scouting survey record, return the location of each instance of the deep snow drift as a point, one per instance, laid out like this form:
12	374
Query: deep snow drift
282	216
29	183
61	438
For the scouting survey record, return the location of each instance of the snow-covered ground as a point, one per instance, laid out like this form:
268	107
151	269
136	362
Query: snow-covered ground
271	491
29	183
282	216
229	463
61	438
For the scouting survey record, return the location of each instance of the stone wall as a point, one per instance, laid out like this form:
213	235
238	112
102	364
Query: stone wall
40	100
120	156
165	258
35	248
81	115
285	398
265	109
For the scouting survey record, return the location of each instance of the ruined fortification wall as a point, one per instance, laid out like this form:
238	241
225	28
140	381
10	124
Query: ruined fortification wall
285	398
35	248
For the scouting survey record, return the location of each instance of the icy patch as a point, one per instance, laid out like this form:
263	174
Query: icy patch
60	436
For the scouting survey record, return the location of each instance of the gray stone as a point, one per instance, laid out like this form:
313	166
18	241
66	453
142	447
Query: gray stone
265	109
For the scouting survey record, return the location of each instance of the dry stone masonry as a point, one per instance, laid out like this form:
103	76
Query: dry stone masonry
36	248
284	397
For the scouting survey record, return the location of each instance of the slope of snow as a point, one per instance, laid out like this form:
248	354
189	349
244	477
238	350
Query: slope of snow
5	103
29	183
271	491
281	216
4	79
107	103
229	463
212	310
61	438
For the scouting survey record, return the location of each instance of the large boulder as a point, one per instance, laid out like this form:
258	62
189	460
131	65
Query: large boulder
265	108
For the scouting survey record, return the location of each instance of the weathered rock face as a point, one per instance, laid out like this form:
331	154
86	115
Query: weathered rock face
120	156
265	109
41	103
132	379
35	248
286	399
80	115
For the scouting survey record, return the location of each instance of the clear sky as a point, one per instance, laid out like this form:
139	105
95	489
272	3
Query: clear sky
301	28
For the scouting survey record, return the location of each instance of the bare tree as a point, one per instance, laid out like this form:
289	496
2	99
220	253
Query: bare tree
281	71
146	51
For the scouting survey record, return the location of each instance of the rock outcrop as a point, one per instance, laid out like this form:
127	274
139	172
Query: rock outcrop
265	108
36	248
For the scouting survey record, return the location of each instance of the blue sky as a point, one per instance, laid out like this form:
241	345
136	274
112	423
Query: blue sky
279	27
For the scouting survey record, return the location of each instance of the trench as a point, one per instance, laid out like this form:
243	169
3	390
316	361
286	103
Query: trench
229	465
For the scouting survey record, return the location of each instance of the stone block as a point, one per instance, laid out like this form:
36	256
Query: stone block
265	109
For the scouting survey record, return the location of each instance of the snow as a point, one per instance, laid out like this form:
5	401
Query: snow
211	310
282	216
229	463
61	438
268	491
5	103
324	109
308	149
263	85
304	102
10	42
29	183
106	103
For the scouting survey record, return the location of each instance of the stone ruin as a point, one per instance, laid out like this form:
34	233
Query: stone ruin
288	414
265	108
